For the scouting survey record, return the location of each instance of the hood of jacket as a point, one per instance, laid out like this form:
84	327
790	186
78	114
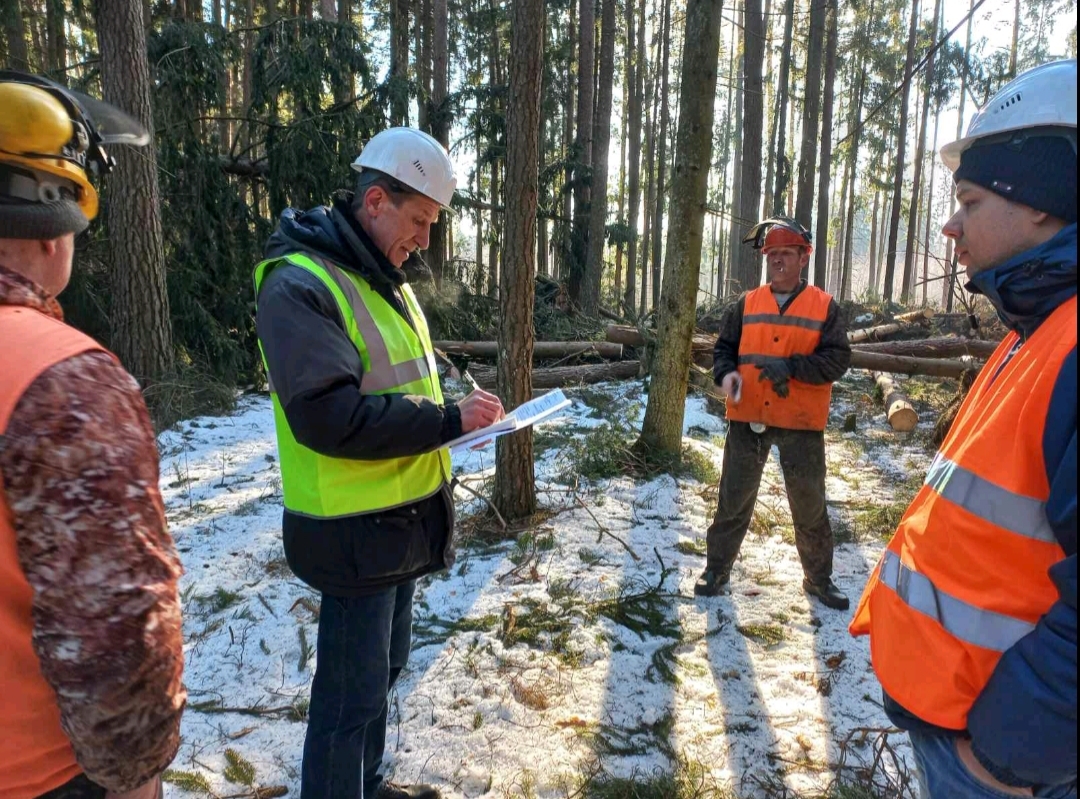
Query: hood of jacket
331	232
1028	287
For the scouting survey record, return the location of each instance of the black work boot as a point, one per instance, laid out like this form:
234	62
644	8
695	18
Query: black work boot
712	582
391	790
828	593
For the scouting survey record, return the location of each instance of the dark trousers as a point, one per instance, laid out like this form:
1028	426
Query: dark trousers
363	646
78	788
802	460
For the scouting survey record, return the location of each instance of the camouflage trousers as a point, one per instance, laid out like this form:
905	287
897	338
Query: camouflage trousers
802	461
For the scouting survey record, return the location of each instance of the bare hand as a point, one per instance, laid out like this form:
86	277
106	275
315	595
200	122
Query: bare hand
149	790
731	386
479	409
975	768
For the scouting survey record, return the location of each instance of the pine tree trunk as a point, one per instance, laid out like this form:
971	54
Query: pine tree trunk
821	252
601	140
898	177
399	62
567	193
929	214
947	283
635	67
737	223
662	130
651	114
749	274
15	36
495	235
783	170
441	121
661	433
141	335
423	25
853	164
515	486
57	40
871	277
583	147
804	203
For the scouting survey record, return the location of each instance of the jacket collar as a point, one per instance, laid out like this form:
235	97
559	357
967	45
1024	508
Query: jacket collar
1029	287
22	292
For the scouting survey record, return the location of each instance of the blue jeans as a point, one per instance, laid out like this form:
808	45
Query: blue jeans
942	775
363	646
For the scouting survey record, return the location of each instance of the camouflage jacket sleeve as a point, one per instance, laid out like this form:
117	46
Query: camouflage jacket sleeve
80	470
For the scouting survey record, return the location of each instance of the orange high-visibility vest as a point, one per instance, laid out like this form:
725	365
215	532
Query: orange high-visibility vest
965	577
36	755
768	335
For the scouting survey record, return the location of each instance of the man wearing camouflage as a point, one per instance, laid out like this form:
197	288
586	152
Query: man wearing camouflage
91	662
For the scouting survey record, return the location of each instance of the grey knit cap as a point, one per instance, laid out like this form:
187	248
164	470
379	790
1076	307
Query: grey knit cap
40	221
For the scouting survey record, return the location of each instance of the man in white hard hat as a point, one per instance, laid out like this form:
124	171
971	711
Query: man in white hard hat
971	612
361	427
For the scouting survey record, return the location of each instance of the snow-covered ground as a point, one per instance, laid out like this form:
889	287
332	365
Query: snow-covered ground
579	649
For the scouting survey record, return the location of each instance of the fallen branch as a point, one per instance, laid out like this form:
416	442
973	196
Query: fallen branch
541	349
561	376
899	364
950	347
605	531
489	503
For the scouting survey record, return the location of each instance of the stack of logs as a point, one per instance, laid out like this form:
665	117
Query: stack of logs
936	357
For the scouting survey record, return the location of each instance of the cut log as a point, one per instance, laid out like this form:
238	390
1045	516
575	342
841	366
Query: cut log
900	364
632	337
951	347
562	376
898	408
914	316
874	333
541	349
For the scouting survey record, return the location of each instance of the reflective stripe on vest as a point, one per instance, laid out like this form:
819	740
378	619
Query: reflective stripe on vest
36	756
967	574
768	335
397	359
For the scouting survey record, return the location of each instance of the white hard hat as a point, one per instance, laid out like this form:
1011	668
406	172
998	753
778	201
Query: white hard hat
412	158
1041	97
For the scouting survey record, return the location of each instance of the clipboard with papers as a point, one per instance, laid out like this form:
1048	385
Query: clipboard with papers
524	415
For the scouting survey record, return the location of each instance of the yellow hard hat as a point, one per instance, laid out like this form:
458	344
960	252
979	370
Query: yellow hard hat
35	131
51	142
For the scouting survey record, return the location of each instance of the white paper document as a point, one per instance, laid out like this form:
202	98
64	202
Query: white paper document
524	415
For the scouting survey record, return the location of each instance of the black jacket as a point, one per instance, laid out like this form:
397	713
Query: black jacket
826	364
316	371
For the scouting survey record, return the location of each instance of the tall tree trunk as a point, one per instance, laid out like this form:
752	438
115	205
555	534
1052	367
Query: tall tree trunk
583	146
916	188
661	432
901	147
722	258
494	235
853	164
749	274
821	253
651	114
737	223
515	487
565	255
1013	51
601	140
328	10
804	203
15	36
947	283
57	39
620	248
635	68
661	157
440	118
141	334
399	62
929	214
783	169
423	25
871	277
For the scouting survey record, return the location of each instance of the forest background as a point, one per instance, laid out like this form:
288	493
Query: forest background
828	111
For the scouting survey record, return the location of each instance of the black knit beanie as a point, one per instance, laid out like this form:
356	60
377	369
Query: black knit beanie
1037	171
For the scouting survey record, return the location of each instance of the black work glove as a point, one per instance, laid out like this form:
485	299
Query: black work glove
778	373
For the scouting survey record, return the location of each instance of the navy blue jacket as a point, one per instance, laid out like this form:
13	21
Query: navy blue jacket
1023	725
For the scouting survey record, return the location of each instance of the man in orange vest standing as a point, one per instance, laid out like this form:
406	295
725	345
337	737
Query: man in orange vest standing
91	656
779	351
971	611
